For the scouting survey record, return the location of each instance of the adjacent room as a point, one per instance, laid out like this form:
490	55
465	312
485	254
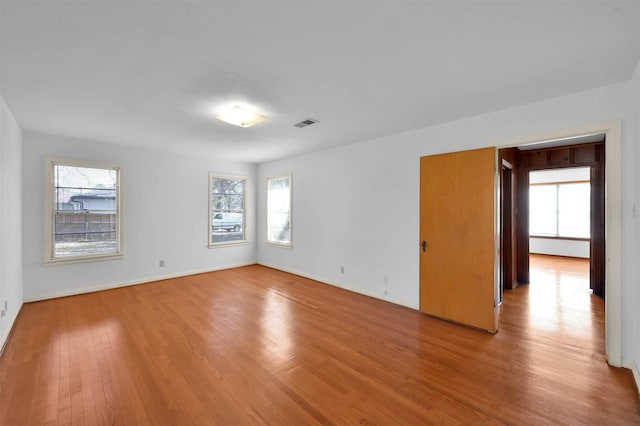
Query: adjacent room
560	236
309	212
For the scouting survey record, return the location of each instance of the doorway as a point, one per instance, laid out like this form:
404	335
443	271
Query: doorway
560	217
612	213
560	294
589	156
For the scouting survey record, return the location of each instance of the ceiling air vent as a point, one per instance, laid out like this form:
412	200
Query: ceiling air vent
305	123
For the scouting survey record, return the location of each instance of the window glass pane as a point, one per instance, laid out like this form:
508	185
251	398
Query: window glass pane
85	210
574	213
279	210
543	210
227	210
559	203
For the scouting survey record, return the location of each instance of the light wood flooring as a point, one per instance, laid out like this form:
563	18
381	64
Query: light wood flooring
254	345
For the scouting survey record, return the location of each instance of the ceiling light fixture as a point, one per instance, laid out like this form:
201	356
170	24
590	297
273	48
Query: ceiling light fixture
241	117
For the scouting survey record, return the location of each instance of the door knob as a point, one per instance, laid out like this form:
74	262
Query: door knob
424	245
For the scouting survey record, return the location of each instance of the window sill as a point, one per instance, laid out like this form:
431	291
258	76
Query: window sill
84	259
551	237
229	244
281	245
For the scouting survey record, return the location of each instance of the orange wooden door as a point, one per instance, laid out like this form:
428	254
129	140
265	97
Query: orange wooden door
457	223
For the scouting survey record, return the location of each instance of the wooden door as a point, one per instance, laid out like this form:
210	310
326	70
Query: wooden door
457	236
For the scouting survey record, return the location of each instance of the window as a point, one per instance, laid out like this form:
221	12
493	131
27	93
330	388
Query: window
279	210
83	211
560	209
227	210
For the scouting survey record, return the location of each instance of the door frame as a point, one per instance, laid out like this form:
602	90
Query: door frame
507	226
613	221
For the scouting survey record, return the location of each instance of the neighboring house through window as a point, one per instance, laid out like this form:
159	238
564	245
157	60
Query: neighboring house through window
83	211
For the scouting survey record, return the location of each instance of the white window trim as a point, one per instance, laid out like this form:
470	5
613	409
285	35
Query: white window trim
244	241
49	212
280	245
276	243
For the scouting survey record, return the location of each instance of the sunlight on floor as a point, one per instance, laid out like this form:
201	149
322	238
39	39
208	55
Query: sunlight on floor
276	328
559	295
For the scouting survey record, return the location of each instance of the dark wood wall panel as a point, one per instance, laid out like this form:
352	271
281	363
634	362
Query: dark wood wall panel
522	224
585	155
598	209
534	159
560	157
569	156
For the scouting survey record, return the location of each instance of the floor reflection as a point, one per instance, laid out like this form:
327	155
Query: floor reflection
276	327
559	295
67	354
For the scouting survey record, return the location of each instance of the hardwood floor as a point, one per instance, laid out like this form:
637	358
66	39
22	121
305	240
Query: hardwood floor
254	345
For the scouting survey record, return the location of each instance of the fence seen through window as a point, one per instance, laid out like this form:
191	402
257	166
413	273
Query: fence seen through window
85	211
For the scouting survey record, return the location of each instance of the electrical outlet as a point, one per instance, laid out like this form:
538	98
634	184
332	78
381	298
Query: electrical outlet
3	313
342	269
161	263
385	280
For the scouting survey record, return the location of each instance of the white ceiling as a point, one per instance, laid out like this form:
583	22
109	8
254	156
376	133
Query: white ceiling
153	73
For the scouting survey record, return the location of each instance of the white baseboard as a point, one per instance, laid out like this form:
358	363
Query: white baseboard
631	365
9	329
334	284
92	289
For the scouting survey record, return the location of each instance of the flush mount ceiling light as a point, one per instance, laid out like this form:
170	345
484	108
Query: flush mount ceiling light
241	117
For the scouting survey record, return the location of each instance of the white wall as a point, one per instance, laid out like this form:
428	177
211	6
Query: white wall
559	247
353	207
10	219
358	205
165	216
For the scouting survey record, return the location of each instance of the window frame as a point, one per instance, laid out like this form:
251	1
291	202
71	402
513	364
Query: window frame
210	209
50	211
278	243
